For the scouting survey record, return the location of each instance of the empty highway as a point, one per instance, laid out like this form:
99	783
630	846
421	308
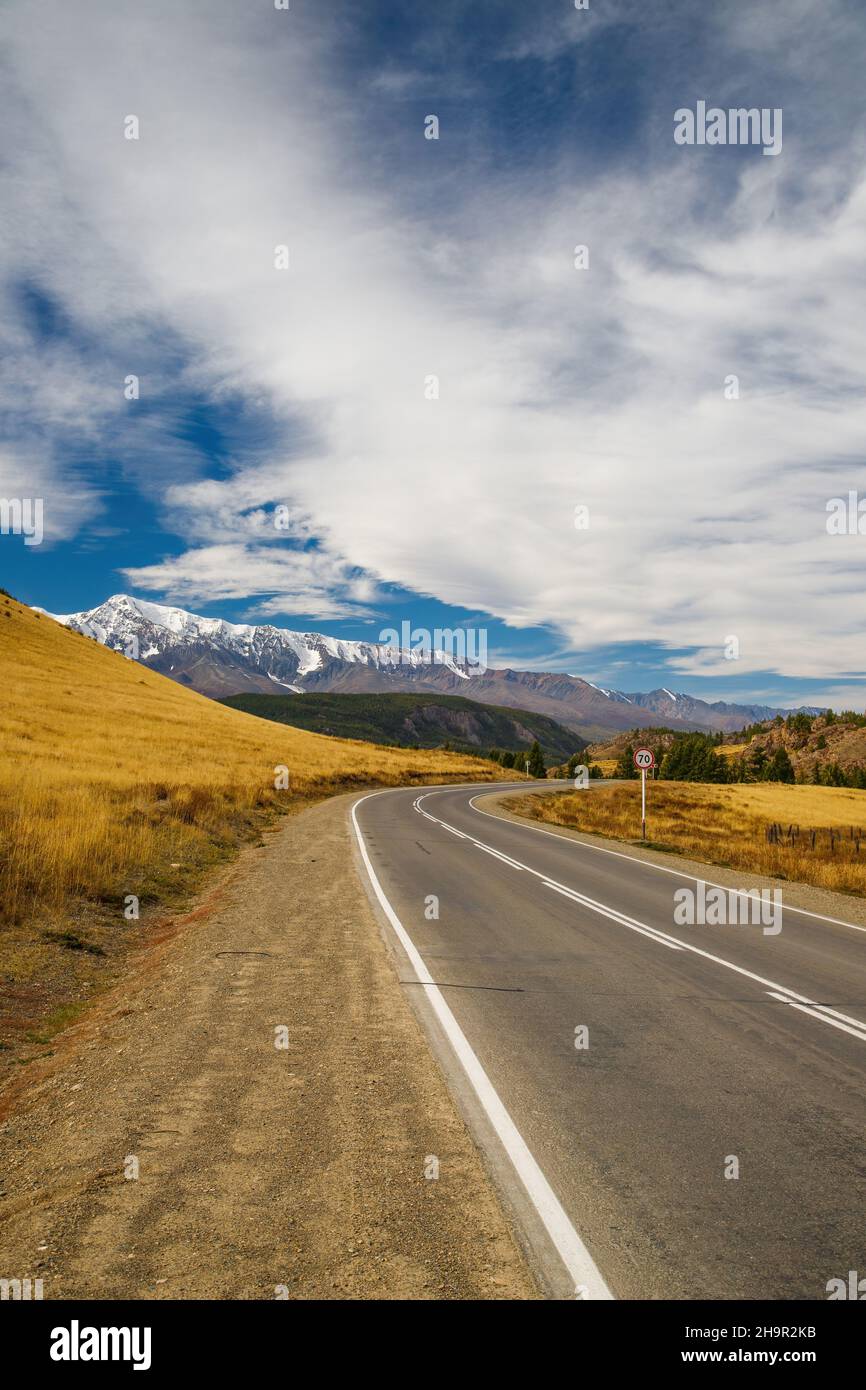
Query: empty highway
670	1111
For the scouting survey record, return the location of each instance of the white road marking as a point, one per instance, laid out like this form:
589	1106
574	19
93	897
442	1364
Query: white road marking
615	916
570	1248
648	863
846	1018
496	855
820	1012
788	996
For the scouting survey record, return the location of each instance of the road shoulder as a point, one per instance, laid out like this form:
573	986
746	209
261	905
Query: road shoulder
260	1168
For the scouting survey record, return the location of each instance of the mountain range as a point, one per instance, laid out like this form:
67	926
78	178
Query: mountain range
218	658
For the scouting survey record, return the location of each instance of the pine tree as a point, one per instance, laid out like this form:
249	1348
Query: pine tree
536	766
693	758
625	767
780	768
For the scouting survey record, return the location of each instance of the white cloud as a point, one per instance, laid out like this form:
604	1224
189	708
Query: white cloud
299	581
557	386
65	508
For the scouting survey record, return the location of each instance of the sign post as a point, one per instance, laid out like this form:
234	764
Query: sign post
644	759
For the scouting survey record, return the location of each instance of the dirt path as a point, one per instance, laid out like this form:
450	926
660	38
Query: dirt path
258	1166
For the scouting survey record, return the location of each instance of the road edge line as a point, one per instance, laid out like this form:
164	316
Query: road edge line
581	1267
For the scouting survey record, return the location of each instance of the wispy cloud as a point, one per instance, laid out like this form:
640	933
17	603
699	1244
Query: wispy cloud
297	581
411	259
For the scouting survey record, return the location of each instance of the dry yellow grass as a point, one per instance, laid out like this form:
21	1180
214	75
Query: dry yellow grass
116	780
608	765
726	825
731	750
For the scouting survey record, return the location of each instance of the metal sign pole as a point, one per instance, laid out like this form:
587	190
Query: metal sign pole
643	803
644	759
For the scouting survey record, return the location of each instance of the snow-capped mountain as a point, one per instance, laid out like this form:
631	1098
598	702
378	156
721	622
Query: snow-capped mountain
671	707
219	658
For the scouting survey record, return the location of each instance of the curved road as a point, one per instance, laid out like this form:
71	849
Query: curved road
671	1111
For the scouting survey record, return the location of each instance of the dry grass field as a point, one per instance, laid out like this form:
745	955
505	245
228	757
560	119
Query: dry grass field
116	781
727	825
112	774
608	765
731	750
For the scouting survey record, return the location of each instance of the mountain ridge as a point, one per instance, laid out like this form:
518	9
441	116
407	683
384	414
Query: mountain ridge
218	658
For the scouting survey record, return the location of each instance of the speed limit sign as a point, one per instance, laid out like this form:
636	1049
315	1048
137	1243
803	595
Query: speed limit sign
644	761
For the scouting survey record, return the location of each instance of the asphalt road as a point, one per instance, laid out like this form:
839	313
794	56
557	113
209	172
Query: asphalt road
709	1050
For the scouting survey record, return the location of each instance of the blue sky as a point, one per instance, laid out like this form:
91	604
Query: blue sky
454	258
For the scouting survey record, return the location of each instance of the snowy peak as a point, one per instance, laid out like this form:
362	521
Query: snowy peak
220	658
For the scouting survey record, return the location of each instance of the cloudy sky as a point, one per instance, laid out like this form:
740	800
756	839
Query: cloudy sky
559	386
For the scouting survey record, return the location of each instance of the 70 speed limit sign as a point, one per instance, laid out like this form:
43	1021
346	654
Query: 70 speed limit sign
644	761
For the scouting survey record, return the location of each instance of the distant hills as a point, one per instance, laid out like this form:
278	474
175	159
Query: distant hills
417	721
827	750
219	658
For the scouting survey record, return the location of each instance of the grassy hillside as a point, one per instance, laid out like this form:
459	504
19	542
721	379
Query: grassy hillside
728	825
422	721
117	781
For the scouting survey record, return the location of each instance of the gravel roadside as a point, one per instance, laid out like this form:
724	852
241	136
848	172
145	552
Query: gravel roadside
263	1170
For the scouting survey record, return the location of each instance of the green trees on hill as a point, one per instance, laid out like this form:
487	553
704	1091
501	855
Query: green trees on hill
780	768
693	758
625	767
697	757
521	757
832	775
535	762
800	723
413	720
